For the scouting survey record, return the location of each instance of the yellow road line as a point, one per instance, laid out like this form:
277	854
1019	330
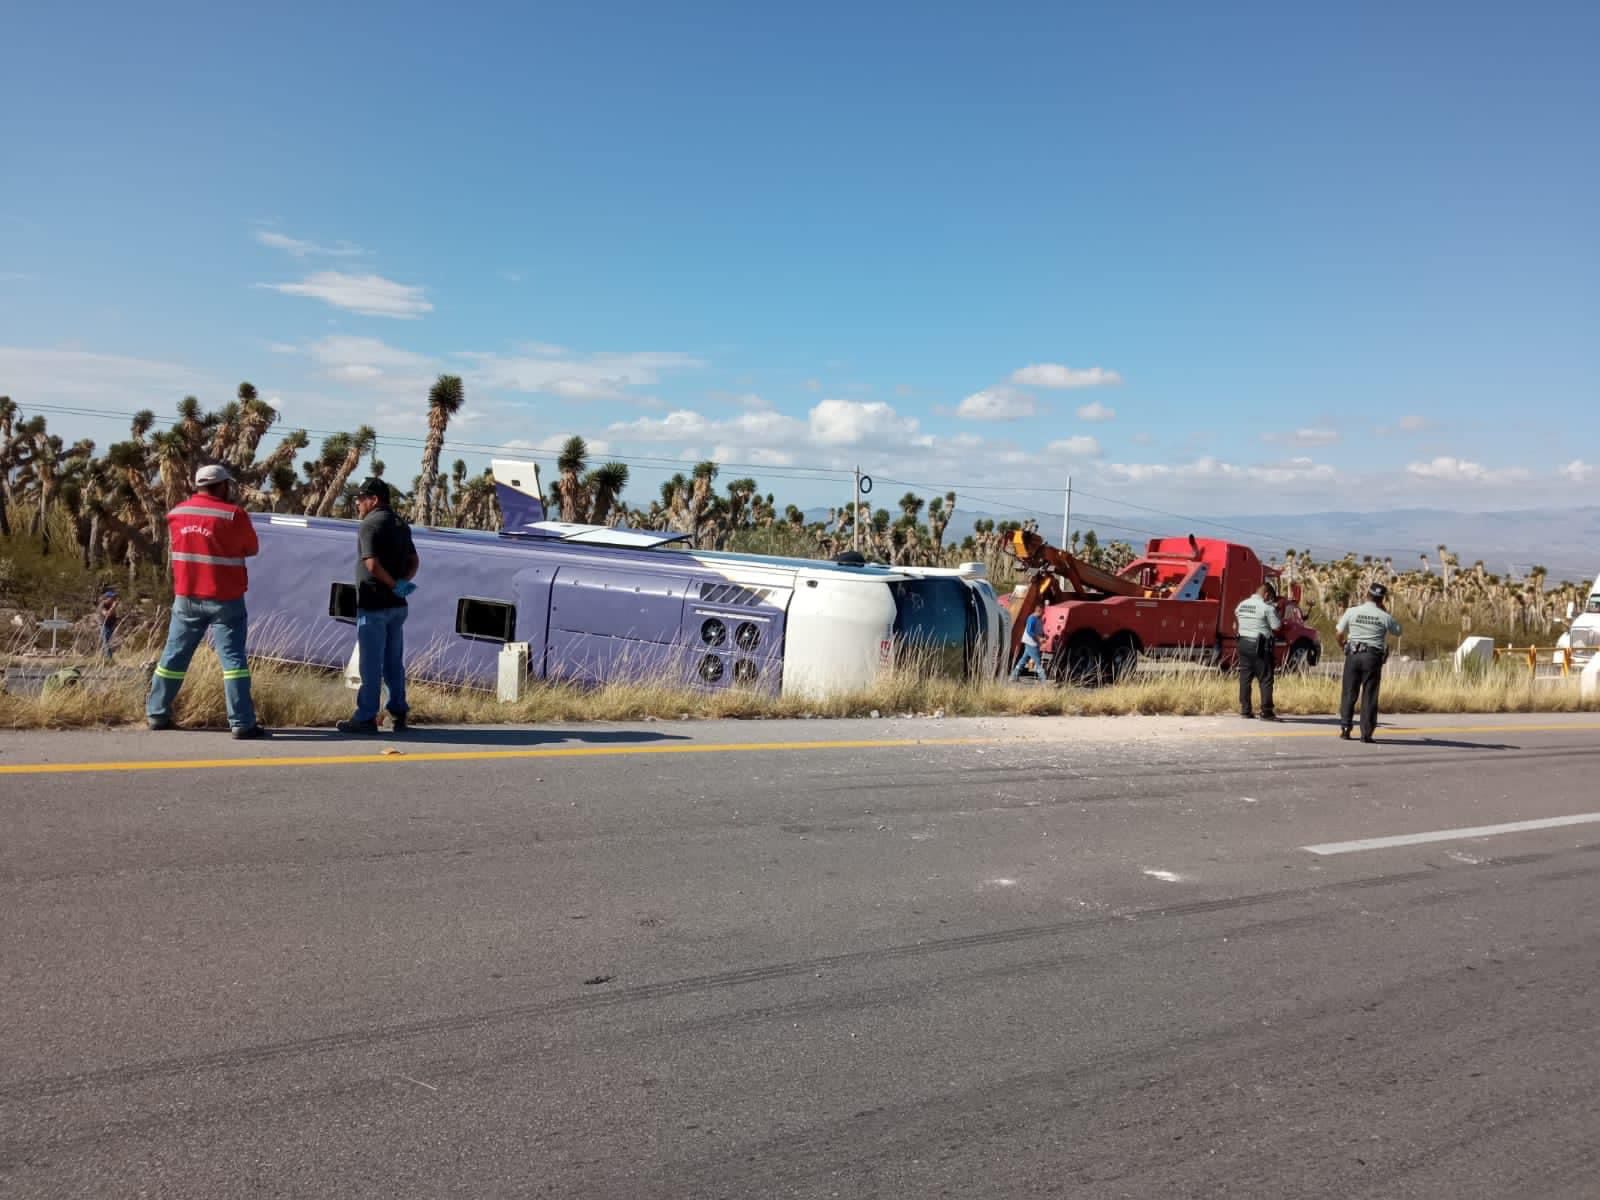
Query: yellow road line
416	756
399	757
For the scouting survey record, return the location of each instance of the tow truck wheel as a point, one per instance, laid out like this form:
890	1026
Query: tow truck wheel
1078	664
1120	657
1301	658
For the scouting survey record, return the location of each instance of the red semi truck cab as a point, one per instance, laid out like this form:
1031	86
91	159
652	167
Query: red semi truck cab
1180	602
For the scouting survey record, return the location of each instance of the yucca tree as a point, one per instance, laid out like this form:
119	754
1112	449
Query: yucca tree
321	470
360	442
191	422
445	399
256	416
604	485
940	510
171	453
477	508
8	460
225	434
568	487
456	494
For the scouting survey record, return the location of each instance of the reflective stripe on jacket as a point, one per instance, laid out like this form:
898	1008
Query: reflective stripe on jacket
210	541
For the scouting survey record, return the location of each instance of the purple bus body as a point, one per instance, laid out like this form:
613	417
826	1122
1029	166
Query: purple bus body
589	613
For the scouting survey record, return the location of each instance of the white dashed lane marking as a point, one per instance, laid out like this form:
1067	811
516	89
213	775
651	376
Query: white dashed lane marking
1451	835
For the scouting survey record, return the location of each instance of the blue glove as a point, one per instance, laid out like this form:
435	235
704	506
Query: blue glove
404	588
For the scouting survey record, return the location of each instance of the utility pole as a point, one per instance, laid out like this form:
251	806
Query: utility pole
855	513
1066	519
863	487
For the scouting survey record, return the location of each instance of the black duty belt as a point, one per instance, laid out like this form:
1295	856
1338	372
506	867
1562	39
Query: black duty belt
1358	647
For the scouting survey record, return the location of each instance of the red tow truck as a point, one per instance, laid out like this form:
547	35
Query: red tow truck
1176	601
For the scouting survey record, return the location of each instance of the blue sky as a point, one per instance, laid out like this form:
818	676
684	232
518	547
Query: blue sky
1221	258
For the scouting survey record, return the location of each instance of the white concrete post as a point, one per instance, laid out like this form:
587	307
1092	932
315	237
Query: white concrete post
1475	649
513	671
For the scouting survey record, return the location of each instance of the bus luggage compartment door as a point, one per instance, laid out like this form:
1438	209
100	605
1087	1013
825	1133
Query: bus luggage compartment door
611	623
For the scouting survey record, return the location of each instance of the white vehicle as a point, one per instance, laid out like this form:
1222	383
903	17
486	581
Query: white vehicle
1583	631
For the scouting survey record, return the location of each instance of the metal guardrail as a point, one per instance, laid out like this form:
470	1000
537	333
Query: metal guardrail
1562	658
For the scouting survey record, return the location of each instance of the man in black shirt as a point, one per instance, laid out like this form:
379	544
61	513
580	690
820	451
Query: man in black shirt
386	561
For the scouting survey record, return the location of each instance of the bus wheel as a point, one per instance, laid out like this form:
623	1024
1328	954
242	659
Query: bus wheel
1078	664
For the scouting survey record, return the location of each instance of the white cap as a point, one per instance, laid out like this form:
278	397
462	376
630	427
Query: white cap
208	475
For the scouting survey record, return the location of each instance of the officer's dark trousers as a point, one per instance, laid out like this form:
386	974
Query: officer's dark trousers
1255	662
1363	671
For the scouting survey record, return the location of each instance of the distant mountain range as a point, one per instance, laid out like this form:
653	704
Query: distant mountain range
1566	541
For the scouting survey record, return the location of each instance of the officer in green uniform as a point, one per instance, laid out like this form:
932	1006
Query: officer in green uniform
1258	623
1363	633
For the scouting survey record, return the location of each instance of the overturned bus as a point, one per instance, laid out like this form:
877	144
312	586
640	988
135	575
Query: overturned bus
599	605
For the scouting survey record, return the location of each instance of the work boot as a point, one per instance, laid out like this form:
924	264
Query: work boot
1248	716
353	726
1368	739
1344	734
251	734
1266	716
398	723
159	723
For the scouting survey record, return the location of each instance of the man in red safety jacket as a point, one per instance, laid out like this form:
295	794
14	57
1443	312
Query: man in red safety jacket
210	539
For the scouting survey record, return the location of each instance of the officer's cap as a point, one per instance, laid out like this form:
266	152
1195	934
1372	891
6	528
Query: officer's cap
1378	592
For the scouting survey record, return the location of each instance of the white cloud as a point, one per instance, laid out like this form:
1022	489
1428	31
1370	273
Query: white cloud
300	249
1143	439
373	363
1079	446
370	295
813	385
1213	470
553	371
1095	411
767	437
1054	375
1446	469
57	376
748	429
1578	471
760	456
1303	437
853	422
997	404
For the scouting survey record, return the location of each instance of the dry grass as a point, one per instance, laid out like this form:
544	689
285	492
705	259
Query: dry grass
296	697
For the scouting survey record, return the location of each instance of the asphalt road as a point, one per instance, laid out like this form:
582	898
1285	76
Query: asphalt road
984	959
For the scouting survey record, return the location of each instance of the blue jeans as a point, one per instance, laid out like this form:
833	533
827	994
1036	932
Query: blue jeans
1030	658
381	643
190	620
